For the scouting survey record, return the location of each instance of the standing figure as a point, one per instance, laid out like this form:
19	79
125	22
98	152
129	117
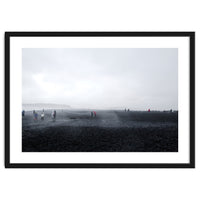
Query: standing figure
35	116
42	116
23	113
53	115
91	114
148	110
95	114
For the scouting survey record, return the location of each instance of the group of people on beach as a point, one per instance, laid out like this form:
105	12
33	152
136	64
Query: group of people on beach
35	115
93	114
128	110
53	115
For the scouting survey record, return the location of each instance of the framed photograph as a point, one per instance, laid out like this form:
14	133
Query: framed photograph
99	99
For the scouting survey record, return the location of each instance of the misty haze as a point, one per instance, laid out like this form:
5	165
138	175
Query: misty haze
101	78
100	100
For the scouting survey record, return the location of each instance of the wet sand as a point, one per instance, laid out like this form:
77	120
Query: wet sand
109	131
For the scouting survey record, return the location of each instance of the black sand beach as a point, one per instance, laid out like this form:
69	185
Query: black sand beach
109	131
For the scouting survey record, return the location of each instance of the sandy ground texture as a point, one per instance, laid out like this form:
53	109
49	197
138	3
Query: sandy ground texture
109	131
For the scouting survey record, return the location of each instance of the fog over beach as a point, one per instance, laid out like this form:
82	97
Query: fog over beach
101	78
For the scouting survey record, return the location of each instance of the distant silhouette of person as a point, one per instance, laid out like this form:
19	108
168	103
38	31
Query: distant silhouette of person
53	115
23	113
42	116
35	115
148	110
95	114
128	110
91	114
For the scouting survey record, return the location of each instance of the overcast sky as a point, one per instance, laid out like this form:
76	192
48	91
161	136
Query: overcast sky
101	78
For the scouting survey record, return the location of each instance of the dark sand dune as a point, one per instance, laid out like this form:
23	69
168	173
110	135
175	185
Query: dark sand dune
110	131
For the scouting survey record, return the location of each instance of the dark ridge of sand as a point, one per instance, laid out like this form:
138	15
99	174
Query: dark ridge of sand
110	131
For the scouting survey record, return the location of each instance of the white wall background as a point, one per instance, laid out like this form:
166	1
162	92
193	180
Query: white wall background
104	15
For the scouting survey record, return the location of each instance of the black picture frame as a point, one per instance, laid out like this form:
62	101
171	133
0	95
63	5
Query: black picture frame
190	35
